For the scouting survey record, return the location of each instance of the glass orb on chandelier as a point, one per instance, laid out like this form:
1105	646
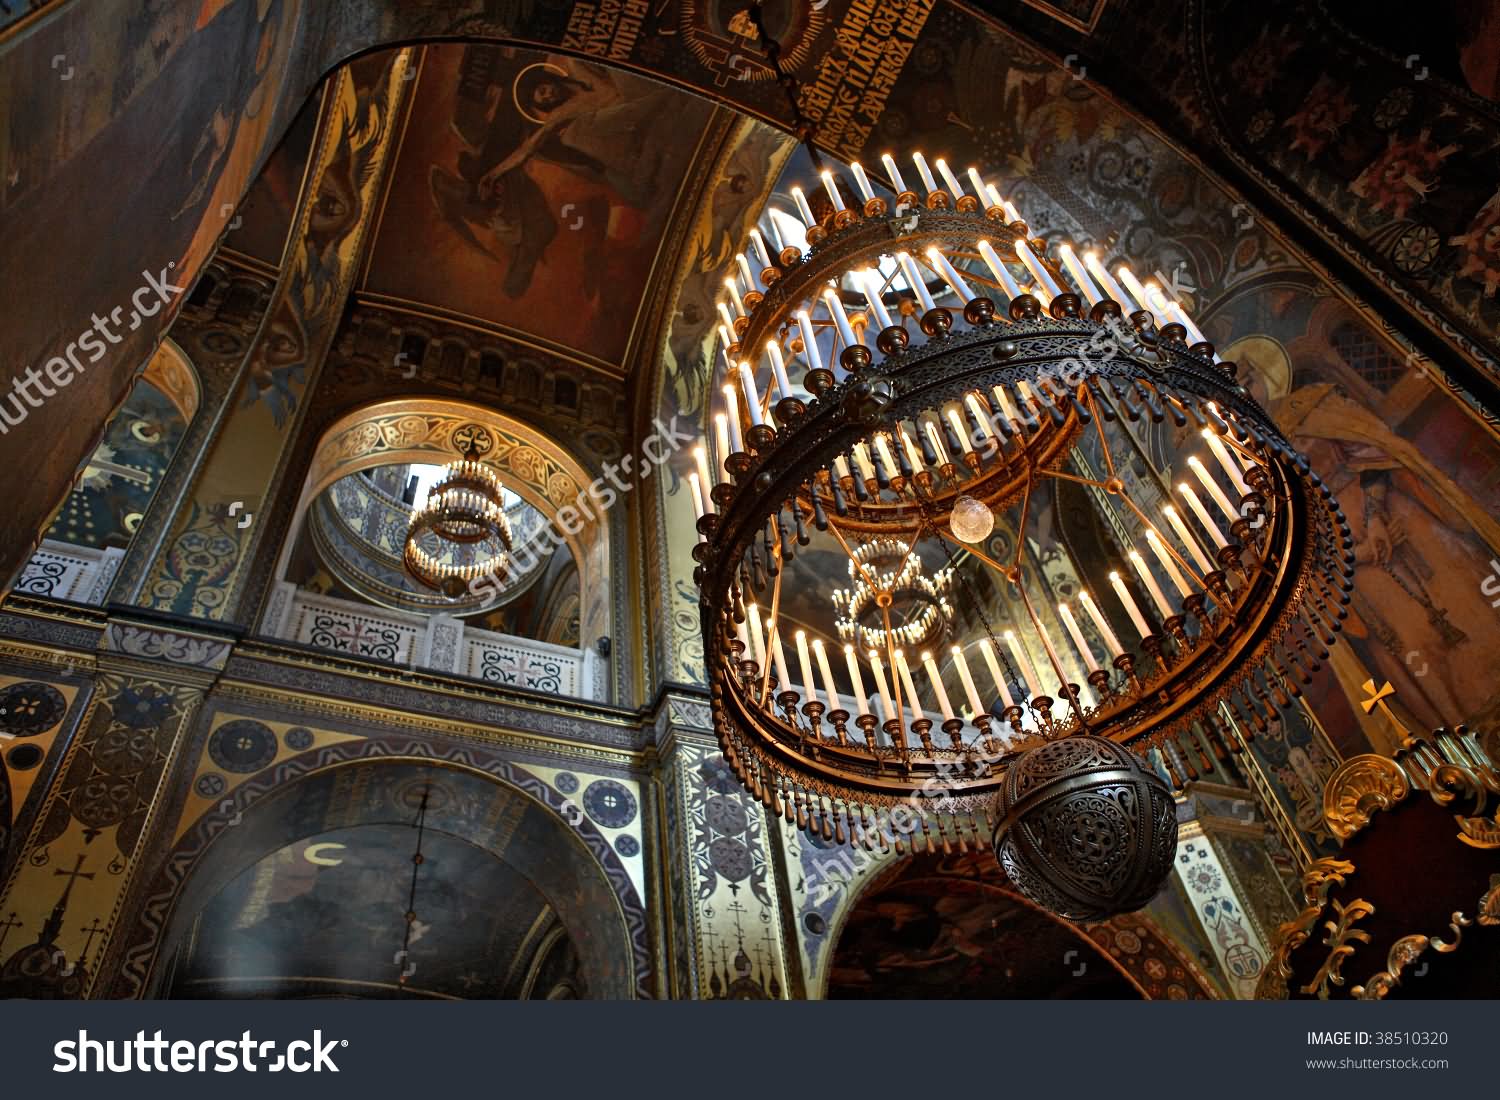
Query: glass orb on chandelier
1136	556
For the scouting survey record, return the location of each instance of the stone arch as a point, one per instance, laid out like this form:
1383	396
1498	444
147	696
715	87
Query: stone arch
530	463
498	806
958	922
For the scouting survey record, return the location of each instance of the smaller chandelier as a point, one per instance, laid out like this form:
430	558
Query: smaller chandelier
889	588
460	530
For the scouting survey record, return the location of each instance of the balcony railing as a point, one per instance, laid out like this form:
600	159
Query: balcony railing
62	571
441	643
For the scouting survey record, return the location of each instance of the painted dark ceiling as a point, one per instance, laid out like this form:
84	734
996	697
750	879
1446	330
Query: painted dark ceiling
531	193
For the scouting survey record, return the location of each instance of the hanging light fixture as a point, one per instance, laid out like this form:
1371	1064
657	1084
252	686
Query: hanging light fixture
928	374
888	580
459	531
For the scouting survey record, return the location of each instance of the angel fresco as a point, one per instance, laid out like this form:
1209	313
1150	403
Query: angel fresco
558	171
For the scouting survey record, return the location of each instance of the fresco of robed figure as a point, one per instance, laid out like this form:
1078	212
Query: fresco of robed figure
1423	541
545	181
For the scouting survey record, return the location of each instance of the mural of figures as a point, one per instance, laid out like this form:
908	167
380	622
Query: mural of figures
545	181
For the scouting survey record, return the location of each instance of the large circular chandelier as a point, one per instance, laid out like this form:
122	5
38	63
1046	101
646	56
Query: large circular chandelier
1136	552
459	531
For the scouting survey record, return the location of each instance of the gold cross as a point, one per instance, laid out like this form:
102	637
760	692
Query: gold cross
1377	698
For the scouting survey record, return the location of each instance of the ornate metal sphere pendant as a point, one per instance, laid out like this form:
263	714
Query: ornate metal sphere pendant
1085	828
1131	549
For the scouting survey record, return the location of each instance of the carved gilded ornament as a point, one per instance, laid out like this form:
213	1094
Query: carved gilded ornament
1341	941
1403	953
1357	789
1318	881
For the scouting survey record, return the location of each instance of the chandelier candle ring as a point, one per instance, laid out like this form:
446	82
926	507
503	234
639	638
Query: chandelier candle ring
1120	543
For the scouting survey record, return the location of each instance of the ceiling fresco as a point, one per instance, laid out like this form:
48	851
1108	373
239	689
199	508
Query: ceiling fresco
531	192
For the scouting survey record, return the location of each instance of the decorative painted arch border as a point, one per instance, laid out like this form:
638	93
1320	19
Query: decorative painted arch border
155	914
900	873
435	430
531	464
171	371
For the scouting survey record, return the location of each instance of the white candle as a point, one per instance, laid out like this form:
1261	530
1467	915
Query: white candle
1106	280
1187	539
894	172
802	208
1178	314
731	403
1141	300
840	318
1130	608
728	321
1221	452
778	368
981	414
1022	662
976	181
1077	635
721	449
950	274
828	686
742	631
840	467
752	395
1213	488
1003	397
960	430
999	270
883	452
1038	270
968	681
809	341
861	181
925	172
804	660
944	704
833	190
914	278
935	438
746	273
861	700
862	460
734	295
1158	597
697	496
757	643
700	458
870	282
888	710
760	247
949	178
911	689
1101	624
1080	276
1011	213
913	452
1164	556
988	653
778	654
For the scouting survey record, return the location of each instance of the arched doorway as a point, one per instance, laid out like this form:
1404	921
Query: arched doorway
306	894
954	928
